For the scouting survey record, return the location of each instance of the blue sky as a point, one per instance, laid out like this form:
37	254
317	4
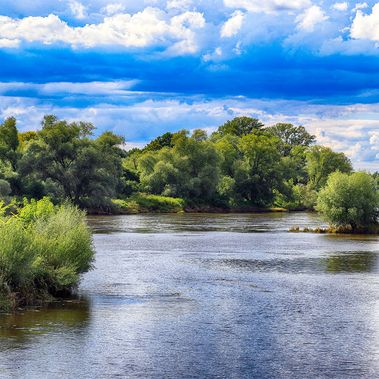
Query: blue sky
141	68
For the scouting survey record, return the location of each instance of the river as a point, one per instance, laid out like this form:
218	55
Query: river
208	296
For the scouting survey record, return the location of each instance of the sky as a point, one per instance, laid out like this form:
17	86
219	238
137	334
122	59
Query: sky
141	68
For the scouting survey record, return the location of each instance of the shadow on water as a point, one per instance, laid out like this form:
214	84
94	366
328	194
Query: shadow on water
357	262
66	315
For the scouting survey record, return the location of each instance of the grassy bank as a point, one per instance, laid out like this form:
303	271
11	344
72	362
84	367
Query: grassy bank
43	250
145	203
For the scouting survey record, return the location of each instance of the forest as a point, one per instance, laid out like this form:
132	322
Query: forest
243	165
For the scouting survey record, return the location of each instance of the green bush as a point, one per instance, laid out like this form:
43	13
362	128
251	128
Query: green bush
142	203
43	250
349	200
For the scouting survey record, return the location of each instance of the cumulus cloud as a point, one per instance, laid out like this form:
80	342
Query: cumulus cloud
340	6
112	9
267	6
233	25
179	4
149	27
77	9
352	129
310	18
366	26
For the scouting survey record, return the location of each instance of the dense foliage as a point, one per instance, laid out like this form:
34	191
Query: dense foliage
43	250
350	200
242	165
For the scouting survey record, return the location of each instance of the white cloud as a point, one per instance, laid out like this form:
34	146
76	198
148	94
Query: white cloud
310	18
267	6
359	6
77	9
149	27
179	4
233	25
340	6
115	88
366	26
352	129
10	43
112	9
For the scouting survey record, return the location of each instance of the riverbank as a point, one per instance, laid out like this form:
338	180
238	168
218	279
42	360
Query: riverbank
146	203
373	230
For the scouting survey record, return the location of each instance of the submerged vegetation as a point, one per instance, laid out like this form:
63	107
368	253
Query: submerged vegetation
43	250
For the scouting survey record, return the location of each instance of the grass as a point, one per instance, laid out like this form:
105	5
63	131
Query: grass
43	251
144	203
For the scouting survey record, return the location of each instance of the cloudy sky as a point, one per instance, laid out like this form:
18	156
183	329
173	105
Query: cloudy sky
141	68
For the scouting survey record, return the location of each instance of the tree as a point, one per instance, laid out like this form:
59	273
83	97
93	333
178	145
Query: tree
79	168
349	199
321	161
291	136
240	126
189	170
165	140
258	172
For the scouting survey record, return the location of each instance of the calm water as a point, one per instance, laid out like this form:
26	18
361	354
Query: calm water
208	296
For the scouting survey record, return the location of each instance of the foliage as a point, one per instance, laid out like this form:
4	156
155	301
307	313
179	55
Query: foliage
76	167
240	126
141	203
43	250
349	200
291	136
321	161
242	164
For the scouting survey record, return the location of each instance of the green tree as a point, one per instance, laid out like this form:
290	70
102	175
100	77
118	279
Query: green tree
349	199
240	126
258	172
78	167
291	136
321	161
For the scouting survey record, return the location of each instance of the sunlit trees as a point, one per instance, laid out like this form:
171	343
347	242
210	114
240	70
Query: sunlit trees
240	126
73	165
321	161
349	199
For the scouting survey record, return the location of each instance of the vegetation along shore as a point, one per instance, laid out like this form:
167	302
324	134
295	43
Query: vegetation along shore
49	178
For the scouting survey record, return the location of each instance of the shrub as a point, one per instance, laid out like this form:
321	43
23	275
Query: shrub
43	250
349	200
141	203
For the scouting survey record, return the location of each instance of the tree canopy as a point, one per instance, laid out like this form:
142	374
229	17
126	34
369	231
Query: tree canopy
349	199
242	164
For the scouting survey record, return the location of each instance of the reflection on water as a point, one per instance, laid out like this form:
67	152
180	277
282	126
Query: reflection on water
355	262
60	315
208	296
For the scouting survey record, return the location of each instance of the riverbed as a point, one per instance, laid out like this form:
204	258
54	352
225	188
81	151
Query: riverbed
208	296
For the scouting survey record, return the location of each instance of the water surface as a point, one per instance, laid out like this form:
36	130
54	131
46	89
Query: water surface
208	296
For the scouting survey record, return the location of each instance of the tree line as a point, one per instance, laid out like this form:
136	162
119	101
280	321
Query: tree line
242	164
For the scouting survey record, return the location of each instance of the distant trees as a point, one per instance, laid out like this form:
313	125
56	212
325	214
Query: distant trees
241	164
349	199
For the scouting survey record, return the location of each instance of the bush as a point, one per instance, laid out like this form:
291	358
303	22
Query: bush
43	250
142	203
349	200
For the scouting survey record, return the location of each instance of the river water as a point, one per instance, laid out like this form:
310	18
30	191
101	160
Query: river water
208	296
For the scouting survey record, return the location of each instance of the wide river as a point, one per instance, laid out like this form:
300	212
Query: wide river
208	296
